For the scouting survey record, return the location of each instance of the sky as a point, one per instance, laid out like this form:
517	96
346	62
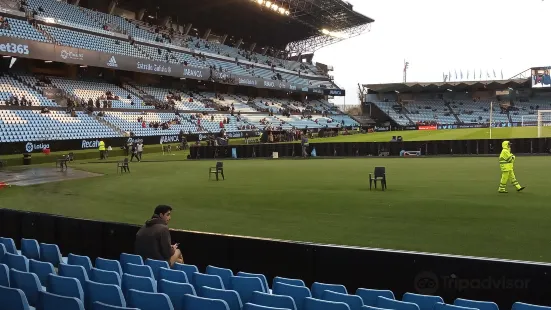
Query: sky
437	36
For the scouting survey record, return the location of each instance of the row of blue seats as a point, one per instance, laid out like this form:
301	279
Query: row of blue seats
115	282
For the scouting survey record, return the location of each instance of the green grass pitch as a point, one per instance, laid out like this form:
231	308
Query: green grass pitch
442	205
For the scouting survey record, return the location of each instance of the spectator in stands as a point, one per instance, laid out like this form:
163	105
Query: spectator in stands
153	239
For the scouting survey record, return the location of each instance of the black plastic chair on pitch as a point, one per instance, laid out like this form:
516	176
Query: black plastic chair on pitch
378	175
219	169
122	166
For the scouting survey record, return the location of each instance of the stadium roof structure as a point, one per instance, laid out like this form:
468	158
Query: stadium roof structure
251	20
446	86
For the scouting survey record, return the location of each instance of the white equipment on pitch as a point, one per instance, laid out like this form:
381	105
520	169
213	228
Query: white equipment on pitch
544	120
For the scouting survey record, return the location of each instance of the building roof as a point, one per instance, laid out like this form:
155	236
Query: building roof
416	87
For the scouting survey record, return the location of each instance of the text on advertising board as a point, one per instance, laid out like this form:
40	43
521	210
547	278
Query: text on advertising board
15	48
427	128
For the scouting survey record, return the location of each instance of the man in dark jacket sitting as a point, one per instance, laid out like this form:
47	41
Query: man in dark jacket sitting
153	239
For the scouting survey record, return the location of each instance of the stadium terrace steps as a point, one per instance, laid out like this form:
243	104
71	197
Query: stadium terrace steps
453	112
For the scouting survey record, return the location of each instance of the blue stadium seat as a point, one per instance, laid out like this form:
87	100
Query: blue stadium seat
482	305
200	303
105	277
318	289
4	275
156	265
188	269
42	270
109	265
224	274
2	251
126	258
73	271
139	270
175	291
149	301
9	244
425	302
13	299
101	306
364	307
318	304
64	286
370	296
79	260
30	249
354	302
245	286
17	262
201	280
442	306
262	278
230	297
270	300
172	275
525	306
49	301
386	303
298	293
296	282
105	293
251	306
50	253
28	283
143	284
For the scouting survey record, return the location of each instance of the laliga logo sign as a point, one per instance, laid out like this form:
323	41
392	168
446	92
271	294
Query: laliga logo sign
29	147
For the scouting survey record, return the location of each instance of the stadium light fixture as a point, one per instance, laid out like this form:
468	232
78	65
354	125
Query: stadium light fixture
261	2
396	91
281	11
268	4
448	89
275	7
48	61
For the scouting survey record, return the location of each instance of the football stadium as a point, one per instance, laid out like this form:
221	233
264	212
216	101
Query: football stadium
419	196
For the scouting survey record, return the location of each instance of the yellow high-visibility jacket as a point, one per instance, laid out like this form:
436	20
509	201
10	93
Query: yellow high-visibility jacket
102	146
506	158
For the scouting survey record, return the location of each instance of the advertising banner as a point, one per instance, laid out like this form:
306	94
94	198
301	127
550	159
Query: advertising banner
381	128
72	55
427	127
52	93
26	48
334	92
411	127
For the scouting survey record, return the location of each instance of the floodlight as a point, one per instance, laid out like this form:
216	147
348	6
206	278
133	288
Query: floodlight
287	13
260	2
275	7
281	11
325	31
268	4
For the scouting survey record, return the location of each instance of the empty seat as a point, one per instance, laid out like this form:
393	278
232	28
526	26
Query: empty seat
172	275
276	301
175	291
109	265
525	306
126	258
229	296
354	302
49	301
42	270
105	293
17	262
224	274
262	278
482	305
318	304
245	286
9	244
296	282
251	306
13	299
370	296
79	260
101	306
28	283
318	289
442	306
200	280
425	302
64	286
2	251
188	269
144	284
139	270
30	249
4	275
386	303
50	253
156	265
105	277
200	303
149	301
73	271
298	293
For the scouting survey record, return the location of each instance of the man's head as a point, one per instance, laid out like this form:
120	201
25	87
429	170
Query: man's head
164	212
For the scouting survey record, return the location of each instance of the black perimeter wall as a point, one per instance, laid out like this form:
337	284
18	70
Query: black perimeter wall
450	277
